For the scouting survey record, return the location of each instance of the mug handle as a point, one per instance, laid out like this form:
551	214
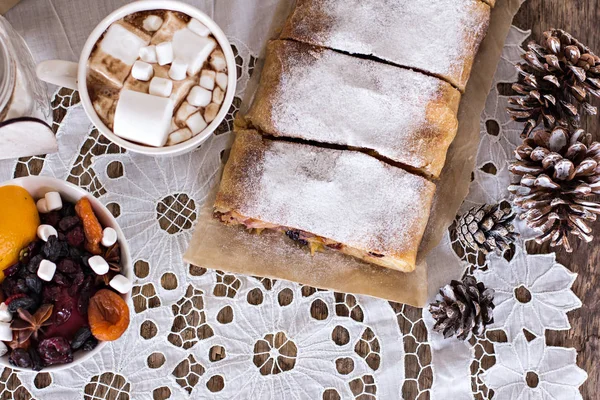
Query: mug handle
58	72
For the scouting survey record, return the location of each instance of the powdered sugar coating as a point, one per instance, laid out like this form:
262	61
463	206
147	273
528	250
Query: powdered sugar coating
325	96
345	196
437	36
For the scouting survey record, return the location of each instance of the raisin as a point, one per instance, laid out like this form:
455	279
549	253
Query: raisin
75	237
51	218
60	280
90	344
74	253
13	269
34	283
20	358
34	263
84	295
56	350
27	303
36	361
67	223
67	210
78	279
21	286
67	266
55	249
50	293
295	236
81	336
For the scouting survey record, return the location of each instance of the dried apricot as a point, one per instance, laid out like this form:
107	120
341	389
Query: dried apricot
108	315
91	227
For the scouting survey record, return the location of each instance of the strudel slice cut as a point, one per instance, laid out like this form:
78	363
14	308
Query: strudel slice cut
440	37
324	198
320	95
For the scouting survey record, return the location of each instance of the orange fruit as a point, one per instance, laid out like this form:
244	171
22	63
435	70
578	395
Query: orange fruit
19	220
108	315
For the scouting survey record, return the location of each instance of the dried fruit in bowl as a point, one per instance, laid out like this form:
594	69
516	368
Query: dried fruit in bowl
91	227
19	220
108	315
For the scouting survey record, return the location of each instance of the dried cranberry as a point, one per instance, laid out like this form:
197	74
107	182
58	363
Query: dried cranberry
76	237
50	218
13	269
67	266
63	308
34	263
20	358
55	249
36	361
27	303
90	344
31	250
34	283
81	336
60	280
76	284
67	223
55	350
50	293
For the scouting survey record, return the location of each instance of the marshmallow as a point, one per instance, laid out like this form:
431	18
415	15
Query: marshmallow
222	80
142	71
42	206
218	95
143	118
184	112
192	49
217	60
98	265
199	96
45	231
53	201
174	127
196	123
178	70
121	43
5	315
211	111
109	237
198	27
161	87
207	79
164	53
152	23
179	136
148	54
46	270
6	334
120	283
3	349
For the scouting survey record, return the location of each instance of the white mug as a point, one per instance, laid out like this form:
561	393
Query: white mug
74	75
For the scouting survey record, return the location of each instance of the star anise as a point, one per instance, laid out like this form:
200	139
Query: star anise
113	257
28	325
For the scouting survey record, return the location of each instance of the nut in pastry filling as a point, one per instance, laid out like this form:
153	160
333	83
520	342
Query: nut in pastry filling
314	242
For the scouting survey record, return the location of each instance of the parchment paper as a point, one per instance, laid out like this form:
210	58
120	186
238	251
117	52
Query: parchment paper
217	246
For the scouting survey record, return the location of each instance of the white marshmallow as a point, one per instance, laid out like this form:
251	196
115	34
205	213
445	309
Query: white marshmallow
142	71
46	270
148	54
199	96
222	80
164	53
184	112
179	136
218	95
198	27
178	70
152	23
122	44
161	87
192	49
174	127
42	206
217	60
53	201
3	349
109	237
207	79
6	334
211	111
5	315
120	283
98	265
196	123
45	231
143	118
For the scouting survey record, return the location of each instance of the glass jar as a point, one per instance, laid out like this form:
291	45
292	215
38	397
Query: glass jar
22	94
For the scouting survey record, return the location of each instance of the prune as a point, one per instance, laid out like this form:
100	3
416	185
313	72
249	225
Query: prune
56	350
36	361
67	223
67	266
20	358
51	218
295	236
90	344
55	249
50	293
34	283
81	336
34	263
26	303
84	295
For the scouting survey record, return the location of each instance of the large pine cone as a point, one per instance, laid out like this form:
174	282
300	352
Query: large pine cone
556	77
463	308
487	228
559	174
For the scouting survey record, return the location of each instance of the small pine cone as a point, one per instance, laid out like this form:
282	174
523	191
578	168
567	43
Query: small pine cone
487	228
558	175
463	308
557	78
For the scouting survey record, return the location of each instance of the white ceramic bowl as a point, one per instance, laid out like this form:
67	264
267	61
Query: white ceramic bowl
38	186
74	75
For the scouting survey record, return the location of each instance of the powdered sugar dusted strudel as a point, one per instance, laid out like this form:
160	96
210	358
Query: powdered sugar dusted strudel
324	96
324	198
439	37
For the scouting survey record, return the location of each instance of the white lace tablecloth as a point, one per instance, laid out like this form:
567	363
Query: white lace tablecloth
226	349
